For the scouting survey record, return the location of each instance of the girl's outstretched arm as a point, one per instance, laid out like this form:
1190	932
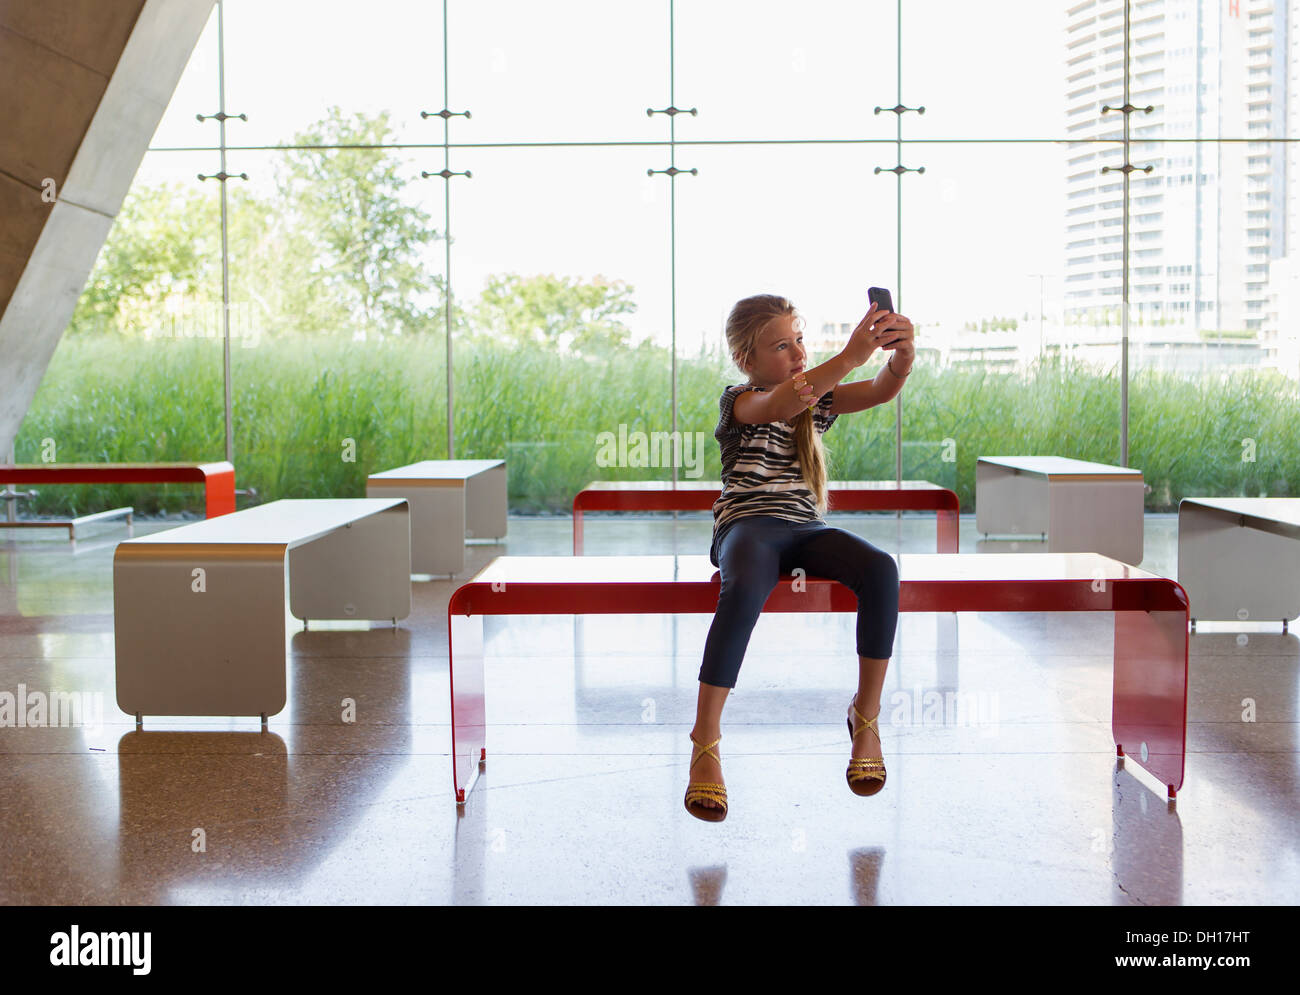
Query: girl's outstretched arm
785	400
863	394
756	407
889	379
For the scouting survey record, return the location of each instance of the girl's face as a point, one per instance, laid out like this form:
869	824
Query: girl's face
778	354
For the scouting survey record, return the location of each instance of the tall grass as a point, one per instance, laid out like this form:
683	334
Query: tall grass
313	417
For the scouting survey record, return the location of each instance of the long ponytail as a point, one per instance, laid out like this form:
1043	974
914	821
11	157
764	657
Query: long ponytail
812	458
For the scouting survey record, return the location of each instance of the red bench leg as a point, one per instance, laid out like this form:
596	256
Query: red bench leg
947	527
1149	708
468	724
219	491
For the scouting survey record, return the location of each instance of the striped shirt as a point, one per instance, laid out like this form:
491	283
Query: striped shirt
760	465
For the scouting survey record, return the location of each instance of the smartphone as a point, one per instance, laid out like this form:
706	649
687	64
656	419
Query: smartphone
880	297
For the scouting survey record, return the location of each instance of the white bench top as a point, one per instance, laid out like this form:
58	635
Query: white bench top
716	485
288	522
1278	510
439	469
912	567
1060	466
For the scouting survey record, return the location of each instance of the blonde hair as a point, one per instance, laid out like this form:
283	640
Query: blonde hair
744	326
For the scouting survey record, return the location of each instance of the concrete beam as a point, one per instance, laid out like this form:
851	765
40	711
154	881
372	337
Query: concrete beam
86	83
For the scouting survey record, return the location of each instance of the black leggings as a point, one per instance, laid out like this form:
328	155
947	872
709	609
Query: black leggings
755	550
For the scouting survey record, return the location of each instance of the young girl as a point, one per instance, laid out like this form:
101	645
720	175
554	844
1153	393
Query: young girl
768	519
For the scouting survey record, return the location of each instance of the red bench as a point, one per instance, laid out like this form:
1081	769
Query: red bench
1149	699
699	495
218	480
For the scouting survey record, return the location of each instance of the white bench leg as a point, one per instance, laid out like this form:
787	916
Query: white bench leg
437	524
1010	503
361	571
1097	516
101	516
486	504
1235	573
441	537
199	644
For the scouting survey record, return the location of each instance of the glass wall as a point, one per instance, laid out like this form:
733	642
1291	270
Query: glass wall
137	375
621	174
817	234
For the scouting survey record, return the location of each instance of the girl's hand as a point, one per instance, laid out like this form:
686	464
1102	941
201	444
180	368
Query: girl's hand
864	340
899	328
875	331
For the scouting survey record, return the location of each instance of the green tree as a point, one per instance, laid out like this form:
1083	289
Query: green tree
561	312
164	248
333	250
365	273
271	259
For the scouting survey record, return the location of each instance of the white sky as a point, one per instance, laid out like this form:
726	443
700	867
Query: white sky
809	221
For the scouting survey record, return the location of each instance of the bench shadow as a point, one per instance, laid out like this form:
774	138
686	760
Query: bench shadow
252	792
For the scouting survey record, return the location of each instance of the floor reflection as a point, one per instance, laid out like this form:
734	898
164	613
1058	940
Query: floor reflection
1003	784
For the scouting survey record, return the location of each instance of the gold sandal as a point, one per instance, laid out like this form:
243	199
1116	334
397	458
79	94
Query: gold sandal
701	791
866	775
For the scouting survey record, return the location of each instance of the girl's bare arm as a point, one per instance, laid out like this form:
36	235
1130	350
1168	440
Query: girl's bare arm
756	407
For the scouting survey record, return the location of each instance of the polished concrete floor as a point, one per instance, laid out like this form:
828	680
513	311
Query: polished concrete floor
581	799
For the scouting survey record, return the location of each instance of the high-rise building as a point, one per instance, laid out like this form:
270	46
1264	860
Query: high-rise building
1209	220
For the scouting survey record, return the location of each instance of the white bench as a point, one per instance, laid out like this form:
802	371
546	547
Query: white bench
199	611
1239	558
1077	506
449	499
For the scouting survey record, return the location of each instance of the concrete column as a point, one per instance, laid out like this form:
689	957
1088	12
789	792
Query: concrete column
85	84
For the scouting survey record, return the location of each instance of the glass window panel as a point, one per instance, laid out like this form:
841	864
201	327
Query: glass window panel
1213	359
773	70
287	62
196	93
1003	70
338	345
1010	360
1208	70
574	70
811	223
137	376
560	266
1242	69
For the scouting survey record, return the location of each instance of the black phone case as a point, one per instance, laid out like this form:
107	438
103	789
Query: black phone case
881	297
